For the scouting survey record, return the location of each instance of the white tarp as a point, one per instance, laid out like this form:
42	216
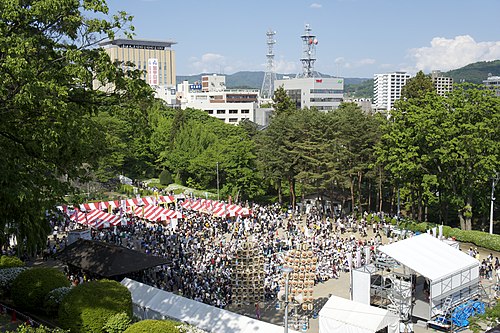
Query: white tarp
429	256
340	315
160	303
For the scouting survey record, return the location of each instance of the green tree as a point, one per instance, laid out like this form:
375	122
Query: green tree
469	152
282	102
417	87
444	149
47	102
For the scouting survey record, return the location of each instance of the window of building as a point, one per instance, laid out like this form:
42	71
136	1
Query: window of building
233	120
246	111
221	111
210	111
233	111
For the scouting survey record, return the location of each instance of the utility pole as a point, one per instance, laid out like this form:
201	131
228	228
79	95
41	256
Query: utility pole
217	181
494	181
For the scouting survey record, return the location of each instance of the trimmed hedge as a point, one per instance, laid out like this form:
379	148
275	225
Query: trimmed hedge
117	323
32	285
478	238
89	306
149	325
9	262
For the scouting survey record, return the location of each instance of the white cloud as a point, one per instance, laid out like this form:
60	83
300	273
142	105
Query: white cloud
343	63
366	61
207	63
286	67
446	54
316	5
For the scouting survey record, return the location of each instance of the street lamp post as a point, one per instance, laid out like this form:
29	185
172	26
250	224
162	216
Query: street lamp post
217	181
493	183
287	271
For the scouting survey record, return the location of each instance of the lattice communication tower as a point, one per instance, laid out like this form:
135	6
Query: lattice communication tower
267	90
309	42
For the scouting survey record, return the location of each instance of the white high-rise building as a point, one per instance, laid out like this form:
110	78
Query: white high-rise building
443	84
387	89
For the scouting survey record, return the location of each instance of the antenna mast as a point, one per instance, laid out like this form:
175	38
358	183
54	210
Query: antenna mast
267	90
309	42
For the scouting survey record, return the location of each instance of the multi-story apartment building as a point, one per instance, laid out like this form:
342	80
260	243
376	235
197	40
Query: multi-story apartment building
387	89
442	83
324	94
155	58
493	82
211	95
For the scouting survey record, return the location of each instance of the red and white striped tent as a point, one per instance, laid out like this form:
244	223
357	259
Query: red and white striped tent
154	213
151	200
216	208
97	219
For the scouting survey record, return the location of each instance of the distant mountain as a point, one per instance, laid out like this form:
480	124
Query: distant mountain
253	80
476	72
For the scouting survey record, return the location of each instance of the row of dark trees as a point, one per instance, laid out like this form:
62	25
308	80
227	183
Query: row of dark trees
59	126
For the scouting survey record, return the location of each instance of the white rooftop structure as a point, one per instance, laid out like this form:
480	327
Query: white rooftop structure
452	274
340	315
153	303
430	257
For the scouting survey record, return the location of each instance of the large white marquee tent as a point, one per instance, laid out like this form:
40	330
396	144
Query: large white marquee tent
340	315
153	303
451	272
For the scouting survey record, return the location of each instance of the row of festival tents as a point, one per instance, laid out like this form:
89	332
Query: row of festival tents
216	208
148	208
144	201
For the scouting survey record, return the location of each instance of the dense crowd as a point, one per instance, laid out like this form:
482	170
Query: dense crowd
201	248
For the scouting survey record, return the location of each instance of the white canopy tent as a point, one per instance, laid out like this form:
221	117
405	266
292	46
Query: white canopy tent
340	315
451	272
153	303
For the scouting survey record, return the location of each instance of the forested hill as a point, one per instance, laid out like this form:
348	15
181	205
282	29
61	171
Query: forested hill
253	80
476	72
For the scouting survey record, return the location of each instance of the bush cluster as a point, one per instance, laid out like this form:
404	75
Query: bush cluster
31	286
149	325
165	178
9	262
117	323
89	306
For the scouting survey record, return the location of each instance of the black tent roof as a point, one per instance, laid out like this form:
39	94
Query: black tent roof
105	259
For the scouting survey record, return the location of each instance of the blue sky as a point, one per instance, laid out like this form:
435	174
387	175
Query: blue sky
357	38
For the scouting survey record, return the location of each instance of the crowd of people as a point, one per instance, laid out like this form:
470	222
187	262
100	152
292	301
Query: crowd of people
202	248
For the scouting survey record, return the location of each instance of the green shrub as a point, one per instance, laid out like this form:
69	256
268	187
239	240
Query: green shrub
88	306
165	178
476	237
126	189
148	326
54	299
8	262
117	323
7	276
32	285
24	328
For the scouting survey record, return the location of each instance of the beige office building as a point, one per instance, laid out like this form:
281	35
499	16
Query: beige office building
156	58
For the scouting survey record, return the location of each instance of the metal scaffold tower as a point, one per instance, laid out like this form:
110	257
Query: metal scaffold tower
309	42
270	76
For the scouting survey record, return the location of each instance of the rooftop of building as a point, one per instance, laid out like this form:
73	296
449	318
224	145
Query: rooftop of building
137	43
